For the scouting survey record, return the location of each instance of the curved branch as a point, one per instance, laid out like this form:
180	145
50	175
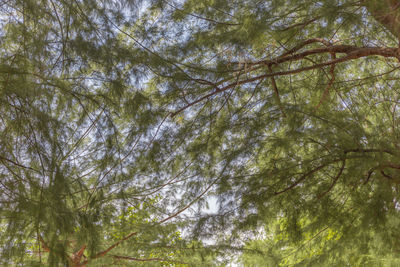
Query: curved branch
17	164
352	53
334	180
104	252
302	178
306	42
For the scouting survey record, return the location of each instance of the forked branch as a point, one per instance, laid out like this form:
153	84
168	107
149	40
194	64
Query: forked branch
352	52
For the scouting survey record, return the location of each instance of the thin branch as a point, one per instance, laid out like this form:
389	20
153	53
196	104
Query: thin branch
334	180
46	248
44	245
104	252
190	204
200	17
353	52
386	175
275	87
78	255
17	164
307	42
194	200
369	174
331	81
149	259
370	150
301	24
86	133
302	178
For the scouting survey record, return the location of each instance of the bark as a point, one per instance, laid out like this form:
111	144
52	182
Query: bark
386	12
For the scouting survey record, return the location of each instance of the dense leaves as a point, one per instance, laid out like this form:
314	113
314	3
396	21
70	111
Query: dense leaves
199	132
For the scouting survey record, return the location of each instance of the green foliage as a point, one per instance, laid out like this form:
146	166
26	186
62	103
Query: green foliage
121	120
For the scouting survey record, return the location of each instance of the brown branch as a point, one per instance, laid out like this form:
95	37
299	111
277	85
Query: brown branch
44	245
386	175
190	204
334	180
17	164
104	252
344	49
203	18
307	42
76	258
352	53
369	174
302	178
370	150
381	167
46	248
290	56
149	259
390	165
101	254
301	24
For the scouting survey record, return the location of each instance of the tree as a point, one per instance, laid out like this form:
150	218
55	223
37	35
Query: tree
119	119
296	101
76	138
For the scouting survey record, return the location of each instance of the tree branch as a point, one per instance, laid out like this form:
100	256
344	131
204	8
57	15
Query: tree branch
44	245
369	150
104	252
302	178
331	81
275	87
77	256
17	164
149	259
334	180
351	51
307	42
301	24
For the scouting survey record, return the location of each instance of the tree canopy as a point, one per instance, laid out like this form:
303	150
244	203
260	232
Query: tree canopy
199	133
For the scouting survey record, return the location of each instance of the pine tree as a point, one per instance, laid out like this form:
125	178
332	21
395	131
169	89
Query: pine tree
121	119
290	109
79	180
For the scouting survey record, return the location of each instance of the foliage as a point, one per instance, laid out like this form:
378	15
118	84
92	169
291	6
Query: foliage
121	119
